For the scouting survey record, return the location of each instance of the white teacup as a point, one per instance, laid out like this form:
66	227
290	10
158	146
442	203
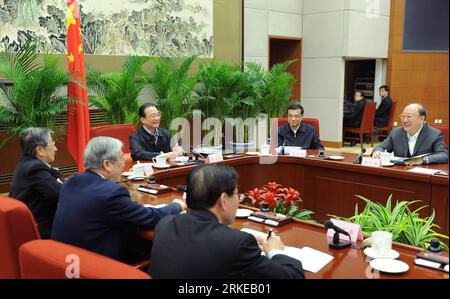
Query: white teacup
265	149
386	158
138	170
381	242
160	161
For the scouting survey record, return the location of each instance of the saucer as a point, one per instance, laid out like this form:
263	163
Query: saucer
126	173
337	158
391	255
243	213
388	165
136	178
252	153
389	266
160	166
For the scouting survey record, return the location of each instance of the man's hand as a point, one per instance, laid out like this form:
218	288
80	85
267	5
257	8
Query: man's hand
376	155
273	243
181	203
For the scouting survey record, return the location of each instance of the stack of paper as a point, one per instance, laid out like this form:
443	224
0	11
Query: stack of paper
424	170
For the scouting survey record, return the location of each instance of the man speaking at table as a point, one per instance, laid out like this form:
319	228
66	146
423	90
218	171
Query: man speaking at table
200	245
96	213
415	138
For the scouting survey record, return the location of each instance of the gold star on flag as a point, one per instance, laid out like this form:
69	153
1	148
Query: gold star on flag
80	48
71	58
70	19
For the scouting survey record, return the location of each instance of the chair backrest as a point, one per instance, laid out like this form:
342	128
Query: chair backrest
390	123
368	117
313	122
444	129
121	132
52	259
17	226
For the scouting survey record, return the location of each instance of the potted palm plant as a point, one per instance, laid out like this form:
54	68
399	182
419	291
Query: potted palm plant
118	93
32	98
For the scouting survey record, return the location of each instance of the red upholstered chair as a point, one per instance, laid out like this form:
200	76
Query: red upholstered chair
17	226
366	126
50	259
444	129
385	131
121	132
284	120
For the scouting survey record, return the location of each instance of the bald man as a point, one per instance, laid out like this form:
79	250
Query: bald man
415	138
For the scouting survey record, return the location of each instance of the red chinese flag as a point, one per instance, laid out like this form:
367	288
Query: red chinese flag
77	112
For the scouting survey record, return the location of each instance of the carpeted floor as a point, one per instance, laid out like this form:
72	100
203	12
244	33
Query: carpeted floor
353	149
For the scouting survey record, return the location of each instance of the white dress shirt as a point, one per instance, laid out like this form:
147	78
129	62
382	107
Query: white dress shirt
412	139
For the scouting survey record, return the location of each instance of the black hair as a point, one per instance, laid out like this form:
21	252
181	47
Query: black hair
295	106
143	107
422	111
385	87
205	184
361	93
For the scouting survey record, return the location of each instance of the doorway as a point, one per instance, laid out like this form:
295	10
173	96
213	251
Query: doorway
359	76
287	48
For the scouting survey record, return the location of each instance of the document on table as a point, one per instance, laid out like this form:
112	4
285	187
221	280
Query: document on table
156	207
424	170
312	260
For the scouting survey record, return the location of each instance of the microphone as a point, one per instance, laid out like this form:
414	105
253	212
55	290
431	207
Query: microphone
336	243
282	148
181	188
358	159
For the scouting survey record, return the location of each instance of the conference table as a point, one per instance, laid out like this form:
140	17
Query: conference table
327	187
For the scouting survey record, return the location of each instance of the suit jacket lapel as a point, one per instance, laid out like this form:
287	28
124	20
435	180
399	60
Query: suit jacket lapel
404	141
421	138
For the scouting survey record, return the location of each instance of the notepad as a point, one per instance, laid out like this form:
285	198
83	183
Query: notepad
424	170
312	260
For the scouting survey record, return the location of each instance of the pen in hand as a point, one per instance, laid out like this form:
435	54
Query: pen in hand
269	234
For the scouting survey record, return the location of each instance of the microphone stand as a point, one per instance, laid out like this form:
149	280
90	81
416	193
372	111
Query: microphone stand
337	244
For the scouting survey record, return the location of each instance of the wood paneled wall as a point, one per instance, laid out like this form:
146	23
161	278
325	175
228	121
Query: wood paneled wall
414	76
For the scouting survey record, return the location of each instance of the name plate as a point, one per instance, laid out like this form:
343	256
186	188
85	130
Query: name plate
214	158
353	229
371	162
298	153
148	169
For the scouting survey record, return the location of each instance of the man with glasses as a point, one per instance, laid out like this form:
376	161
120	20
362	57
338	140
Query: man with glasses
96	213
415	138
150	140
296	133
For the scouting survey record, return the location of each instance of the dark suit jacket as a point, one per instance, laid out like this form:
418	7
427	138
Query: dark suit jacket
382	112
144	147
196	246
306	137
37	185
353	119
95	214
430	140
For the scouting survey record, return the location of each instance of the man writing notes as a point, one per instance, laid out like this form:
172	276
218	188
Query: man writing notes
296	133
201	245
96	213
150	140
415	138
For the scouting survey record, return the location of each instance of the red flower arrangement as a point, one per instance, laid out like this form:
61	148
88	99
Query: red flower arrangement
279	199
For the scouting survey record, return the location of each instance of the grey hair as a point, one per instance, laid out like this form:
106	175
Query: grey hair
421	109
100	149
31	138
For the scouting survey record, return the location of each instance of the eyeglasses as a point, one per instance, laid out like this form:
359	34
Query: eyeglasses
296	116
155	115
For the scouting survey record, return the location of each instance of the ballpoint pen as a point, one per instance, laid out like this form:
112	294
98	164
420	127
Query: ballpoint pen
269	234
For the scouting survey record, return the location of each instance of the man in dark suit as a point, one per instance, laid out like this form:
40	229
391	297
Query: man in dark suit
296	133
35	181
201	245
94	212
415	138
383	110
353	118
150	140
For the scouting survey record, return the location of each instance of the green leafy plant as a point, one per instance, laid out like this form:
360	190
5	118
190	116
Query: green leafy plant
118	93
273	88
405	224
33	99
173	87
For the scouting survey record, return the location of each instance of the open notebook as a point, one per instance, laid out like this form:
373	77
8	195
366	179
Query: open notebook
312	260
